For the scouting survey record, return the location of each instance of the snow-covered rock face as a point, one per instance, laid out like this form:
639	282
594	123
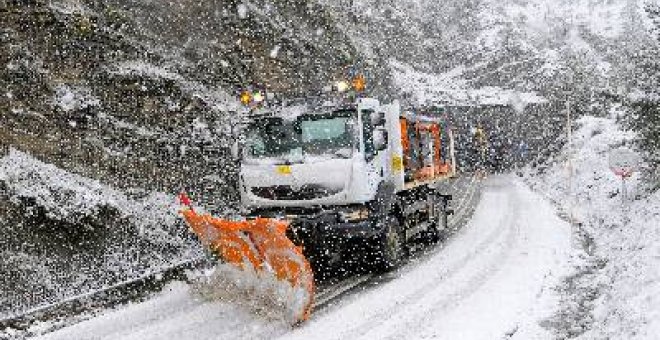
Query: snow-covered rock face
65	234
69	197
124	82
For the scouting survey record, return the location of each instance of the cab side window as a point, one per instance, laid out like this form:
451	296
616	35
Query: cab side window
367	134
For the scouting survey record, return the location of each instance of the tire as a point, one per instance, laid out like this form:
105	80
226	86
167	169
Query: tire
390	246
433	235
438	231
444	220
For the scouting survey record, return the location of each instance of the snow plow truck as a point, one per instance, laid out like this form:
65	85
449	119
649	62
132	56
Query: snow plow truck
332	182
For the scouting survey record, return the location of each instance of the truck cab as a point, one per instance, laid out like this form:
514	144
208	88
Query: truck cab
311	157
345	177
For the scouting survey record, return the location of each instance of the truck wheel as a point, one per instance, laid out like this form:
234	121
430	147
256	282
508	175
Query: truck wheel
445	219
445	215
432	235
438	230
390	248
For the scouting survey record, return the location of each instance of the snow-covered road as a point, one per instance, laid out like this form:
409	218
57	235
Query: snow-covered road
492	280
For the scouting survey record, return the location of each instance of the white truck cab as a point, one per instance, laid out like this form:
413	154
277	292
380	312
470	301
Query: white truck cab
306	156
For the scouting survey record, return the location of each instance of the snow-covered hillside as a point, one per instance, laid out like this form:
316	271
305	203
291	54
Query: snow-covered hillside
614	291
557	49
125	103
545	45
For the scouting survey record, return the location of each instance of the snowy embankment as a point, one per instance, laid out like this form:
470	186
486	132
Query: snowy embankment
623	299
66	235
70	197
492	280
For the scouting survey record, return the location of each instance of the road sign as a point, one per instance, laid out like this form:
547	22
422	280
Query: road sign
623	162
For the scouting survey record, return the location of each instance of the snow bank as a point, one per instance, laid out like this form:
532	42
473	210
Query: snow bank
177	312
628	306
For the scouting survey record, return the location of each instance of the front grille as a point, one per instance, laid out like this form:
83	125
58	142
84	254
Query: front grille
286	192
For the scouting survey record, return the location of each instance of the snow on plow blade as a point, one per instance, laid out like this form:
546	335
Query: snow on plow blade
260	245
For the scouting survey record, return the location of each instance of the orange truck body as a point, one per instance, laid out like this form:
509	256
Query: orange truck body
422	150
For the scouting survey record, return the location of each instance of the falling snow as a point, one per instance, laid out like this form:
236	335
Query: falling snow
110	109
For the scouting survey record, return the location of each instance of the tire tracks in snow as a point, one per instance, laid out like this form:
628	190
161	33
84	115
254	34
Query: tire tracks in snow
385	314
483	273
336	291
464	205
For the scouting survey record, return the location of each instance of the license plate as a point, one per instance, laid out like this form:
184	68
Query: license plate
283	169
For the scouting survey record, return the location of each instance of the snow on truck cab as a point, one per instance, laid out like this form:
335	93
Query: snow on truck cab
349	177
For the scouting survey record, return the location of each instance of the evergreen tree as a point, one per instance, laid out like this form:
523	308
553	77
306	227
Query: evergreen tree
643	80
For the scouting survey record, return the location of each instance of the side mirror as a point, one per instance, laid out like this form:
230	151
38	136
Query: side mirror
235	151
377	118
380	139
235	148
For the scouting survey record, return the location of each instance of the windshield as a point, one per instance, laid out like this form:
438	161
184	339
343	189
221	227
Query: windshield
271	138
322	134
333	133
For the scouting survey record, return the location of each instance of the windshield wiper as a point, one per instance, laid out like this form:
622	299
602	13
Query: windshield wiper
343	153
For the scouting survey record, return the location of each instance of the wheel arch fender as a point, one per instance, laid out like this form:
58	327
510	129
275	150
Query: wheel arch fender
385	201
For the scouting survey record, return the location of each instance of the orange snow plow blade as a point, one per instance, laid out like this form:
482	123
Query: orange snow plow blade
260	244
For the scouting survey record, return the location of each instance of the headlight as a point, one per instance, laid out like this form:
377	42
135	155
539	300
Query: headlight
353	214
342	86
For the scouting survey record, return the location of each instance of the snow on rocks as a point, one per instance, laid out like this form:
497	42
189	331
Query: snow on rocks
275	51
69	7
242	11
142	68
69	197
426	88
218	99
70	98
628	303
133	233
